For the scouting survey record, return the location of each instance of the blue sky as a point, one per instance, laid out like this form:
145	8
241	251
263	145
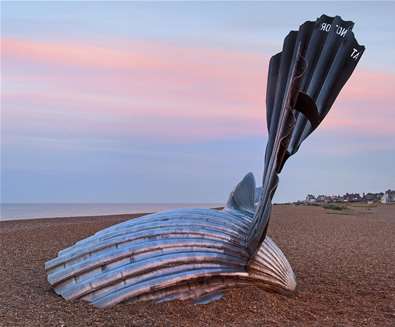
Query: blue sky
164	102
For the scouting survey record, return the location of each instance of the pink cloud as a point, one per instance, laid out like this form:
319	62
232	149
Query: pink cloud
157	89
137	57
365	105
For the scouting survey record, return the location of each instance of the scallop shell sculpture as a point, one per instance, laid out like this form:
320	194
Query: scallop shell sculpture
196	254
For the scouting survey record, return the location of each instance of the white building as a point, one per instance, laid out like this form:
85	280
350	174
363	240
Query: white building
388	197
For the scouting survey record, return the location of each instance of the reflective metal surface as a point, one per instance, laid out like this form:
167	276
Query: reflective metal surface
303	83
177	254
198	253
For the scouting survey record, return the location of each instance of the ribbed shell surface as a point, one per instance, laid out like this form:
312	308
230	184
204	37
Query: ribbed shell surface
179	254
303	83
156	251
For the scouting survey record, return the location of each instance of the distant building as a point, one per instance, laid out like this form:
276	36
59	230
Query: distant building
310	198
323	198
388	197
336	198
351	197
373	197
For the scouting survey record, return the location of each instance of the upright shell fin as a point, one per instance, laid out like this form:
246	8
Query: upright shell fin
243	196
303	83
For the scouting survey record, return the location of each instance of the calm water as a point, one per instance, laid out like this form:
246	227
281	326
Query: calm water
14	211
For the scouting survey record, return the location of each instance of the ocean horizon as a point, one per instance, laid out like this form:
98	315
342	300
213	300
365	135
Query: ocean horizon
18	211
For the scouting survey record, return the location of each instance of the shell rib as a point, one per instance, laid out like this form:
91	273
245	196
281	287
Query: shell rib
179	254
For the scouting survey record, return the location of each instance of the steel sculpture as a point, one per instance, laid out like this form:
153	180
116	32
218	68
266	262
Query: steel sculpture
198	253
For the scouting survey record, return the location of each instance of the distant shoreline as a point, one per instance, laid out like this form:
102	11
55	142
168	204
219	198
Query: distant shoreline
86	217
29	211
63	219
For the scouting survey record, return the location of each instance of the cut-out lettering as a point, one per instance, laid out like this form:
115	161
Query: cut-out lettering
326	27
341	30
355	54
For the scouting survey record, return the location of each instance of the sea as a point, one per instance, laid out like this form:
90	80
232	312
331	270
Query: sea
17	211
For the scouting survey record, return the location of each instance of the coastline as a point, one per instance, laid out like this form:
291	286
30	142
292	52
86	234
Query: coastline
80	218
27	211
344	262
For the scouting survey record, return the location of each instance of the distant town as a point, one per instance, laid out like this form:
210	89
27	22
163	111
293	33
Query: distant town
383	197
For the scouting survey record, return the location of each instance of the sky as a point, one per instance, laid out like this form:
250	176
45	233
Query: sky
165	102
